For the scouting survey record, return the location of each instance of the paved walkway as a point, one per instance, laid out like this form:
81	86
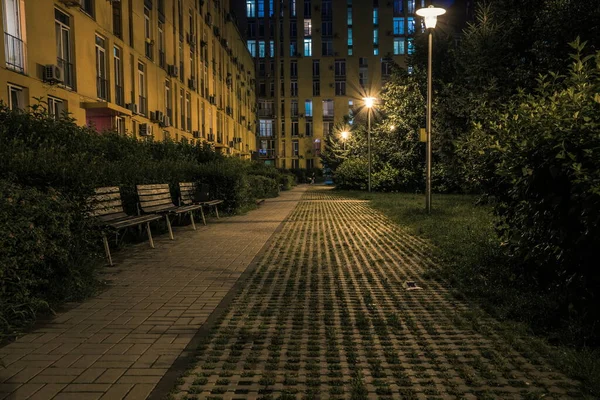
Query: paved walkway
122	342
326	315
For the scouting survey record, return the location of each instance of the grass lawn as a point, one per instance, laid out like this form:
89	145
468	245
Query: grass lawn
473	263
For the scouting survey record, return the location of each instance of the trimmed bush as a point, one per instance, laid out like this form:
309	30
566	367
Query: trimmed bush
352	174
262	187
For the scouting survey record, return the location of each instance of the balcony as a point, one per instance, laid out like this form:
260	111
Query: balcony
67	68
14	51
266	112
102	88
266	153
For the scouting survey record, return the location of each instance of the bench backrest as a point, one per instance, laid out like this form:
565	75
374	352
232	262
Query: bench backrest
187	191
190	192
106	204
154	198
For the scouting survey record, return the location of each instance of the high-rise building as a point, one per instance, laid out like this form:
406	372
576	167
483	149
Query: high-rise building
156	69
315	61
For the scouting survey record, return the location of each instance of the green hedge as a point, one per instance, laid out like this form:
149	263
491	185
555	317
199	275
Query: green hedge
48	168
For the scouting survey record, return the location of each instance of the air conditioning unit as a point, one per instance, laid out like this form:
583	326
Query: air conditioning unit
196	134
53	73
132	107
146	130
72	3
231	143
166	121
172	70
192	84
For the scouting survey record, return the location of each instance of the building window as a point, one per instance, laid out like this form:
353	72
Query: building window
250	8
308	47
294	88
294	128
308	108
294	108
118	73
295	148
327	128
349	19
261	8
376	16
398	26
252	47
308	27
265	128
327	47
327	108
326	10
317	146
16	97
64	56
308	127
293	69
168	101
326	28
182	107
340	88
119	125
188	108
295	164
117	19
376	37
88	7
411	6
162	58
399	46
148	33
293	29
56	107
143	104
14	47
316	68
292	8
398	7
411	46
262	52
101	73
293	48
340	67
272	49
316	88
307	8
411	25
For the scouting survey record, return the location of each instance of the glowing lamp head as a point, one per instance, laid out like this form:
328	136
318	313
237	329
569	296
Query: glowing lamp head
430	15
345	135
369	101
392	127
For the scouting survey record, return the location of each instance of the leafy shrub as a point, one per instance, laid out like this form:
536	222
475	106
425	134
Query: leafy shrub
385	179
46	244
542	160
352	174
287	180
262	187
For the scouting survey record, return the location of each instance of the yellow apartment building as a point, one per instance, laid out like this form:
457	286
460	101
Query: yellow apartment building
315	62
156	69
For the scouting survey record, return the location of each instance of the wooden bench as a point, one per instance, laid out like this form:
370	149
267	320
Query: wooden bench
108	208
156	199
187	195
191	195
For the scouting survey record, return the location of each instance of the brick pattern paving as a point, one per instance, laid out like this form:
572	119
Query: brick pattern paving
119	344
325	315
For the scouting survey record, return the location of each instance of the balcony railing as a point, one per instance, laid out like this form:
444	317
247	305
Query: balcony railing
14	51
119	95
265	112
67	68
102	88
268	153
143	103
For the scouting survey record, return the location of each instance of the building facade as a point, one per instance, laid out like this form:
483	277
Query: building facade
155	69
315	61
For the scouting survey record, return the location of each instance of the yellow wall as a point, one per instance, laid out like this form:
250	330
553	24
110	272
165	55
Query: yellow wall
82	101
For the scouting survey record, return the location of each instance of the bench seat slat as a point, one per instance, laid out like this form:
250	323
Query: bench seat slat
132	221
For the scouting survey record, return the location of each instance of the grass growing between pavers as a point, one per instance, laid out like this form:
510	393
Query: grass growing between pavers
325	315
472	261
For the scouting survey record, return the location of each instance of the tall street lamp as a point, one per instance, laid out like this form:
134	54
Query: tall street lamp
369	102
430	15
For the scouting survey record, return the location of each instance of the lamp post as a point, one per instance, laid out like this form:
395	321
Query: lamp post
345	135
369	102
430	15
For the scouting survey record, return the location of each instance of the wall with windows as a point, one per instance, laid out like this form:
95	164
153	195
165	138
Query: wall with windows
320	58
154	69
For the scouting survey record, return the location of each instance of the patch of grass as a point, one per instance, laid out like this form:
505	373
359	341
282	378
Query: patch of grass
471	260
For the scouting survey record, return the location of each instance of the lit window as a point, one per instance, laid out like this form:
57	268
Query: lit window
411	46
272	49
252	47
399	46
293	48
349	16
261	49
327	108
350	39
411	25
250	9
376	16
308	108
376	37
398	26
411	6
261	8
307	27
308	47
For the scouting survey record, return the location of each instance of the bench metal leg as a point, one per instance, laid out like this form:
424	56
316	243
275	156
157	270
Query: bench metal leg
217	212
149	234
169	226
202	213
192	218
107	249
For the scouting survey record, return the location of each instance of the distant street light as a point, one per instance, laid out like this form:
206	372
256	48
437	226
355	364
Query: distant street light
345	135
430	15
369	103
